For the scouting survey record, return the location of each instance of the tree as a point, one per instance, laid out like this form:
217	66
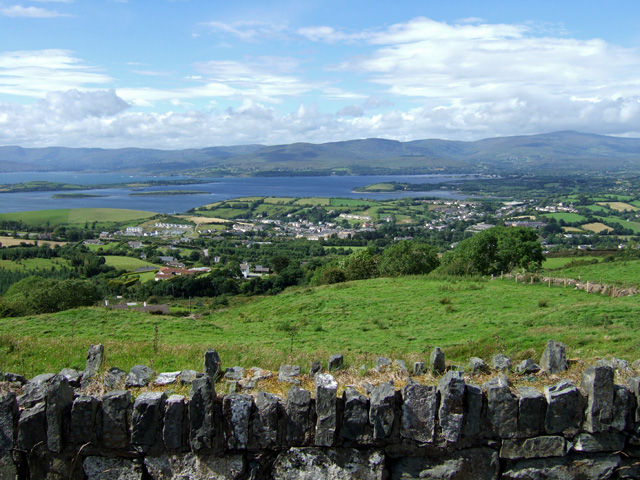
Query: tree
360	265
408	258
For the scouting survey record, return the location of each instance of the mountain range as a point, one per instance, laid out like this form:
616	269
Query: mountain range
565	151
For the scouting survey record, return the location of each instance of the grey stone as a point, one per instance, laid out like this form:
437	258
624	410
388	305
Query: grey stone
419	368
502	409
316	367
32	426
74	377
298	416
59	401
139	376
634	387
599	442
8	421
326	409
499	380
212	364
95	359
451	388
383	364
288	373
564	468
527	367
475	411
636	365
15	378
8	469
623	408
334	464
400	366
355	417
230	386
501	362
554	359
114	379
196	467
265	422
382	410
620	364
146	421
419	409
597	381
166	378
536	447
477	365
188	376
175	427
474	463
532	407
116	406
437	361
236	411
234	373
105	468
35	390
86	423
201	414
336	362
565	408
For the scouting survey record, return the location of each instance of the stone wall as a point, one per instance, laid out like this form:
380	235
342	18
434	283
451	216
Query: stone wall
455	430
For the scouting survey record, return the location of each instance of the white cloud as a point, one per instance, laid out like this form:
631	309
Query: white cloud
247	30
18	11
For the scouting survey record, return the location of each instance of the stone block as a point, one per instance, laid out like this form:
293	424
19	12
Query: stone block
474	463
527	367
437	361
565	408
105	468
316	367
212	365
139	376
114	379
382	410
532	408
236	412
599	442
116	407
326	409
298	417
234	373
554	358
624	405
451	388
419	409
8	421
502	410
383	364
166	378
536	447
146	421
59	401
355	417
86	421
288	373
475	411
597	381
265	422
74	377
201	415
419	368
32	427
329	464
564	468
477	365
501	362
336	362
95	359
193	466
175	426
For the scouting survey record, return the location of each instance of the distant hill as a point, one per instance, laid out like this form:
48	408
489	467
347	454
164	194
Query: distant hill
566	151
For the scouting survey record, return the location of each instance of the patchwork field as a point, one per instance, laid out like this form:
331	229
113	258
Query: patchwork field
76	216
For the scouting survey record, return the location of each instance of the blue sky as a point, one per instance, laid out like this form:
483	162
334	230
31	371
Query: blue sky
190	74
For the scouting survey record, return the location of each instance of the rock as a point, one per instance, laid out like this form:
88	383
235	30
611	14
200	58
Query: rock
437	361
355	417
146	421
166	378
419	408
502	409
74	377
116	406
336	362
86	421
400	366
234	373
201	415
114	378
634	388
265	422
95	359
501	362
34	390
59	400
212	364
532	407
564	468
188	376
139	376
230	386
597	381
15	378
623	408
527	367
554	359
477	365
175	426
326	409
383	364
8	421
599	442
475	411
8	468
195	467
382	410
316	367
105	468
333	464
474	463
298	416
288	373
419	368
256	374
620	364
32	427
451	388
236	411
636	365
537	447
565	408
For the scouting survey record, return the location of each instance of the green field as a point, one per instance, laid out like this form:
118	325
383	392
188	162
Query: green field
613	273
351	202
635	226
558	262
567	217
401	318
76	216
126	263
34	263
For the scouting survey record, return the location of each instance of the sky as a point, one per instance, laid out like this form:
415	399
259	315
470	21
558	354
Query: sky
176	74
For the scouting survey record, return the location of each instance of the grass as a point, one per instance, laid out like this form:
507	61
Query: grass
400	318
126	263
34	263
619	206
615	273
12	242
596	227
567	217
635	226
558	262
76	216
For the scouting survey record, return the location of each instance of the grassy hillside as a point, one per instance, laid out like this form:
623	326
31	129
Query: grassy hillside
400	318
76	216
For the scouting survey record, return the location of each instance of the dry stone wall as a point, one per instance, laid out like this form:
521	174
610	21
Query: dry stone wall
455	430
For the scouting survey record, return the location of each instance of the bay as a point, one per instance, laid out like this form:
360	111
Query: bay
216	189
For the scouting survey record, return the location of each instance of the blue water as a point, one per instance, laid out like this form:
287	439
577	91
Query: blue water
218	189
